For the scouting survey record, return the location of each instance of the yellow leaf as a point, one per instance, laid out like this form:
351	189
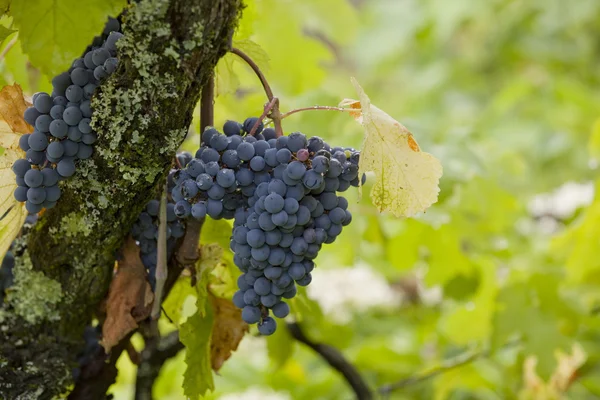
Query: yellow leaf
12	126
407	179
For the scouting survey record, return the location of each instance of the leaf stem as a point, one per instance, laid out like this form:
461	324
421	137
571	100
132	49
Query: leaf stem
161	255
275	115
325	108
256	70
268	109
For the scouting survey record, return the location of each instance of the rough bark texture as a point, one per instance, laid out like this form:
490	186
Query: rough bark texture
141	115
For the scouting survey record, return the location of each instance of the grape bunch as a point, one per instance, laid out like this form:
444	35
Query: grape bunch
91	350
62	133
145	232
282	194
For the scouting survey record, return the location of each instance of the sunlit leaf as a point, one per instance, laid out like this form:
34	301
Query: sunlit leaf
195	334
407	179
46	28
12	126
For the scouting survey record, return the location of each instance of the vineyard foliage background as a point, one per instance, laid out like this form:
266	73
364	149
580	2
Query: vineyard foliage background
505	265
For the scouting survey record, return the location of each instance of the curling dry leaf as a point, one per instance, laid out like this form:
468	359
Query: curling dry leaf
228	331
407	179
129	297
12	127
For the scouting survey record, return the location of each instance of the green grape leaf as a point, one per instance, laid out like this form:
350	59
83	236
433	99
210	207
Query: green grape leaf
55	32
223	276
4	5
280	347
195	334
173	304
226	77
4	31
407	179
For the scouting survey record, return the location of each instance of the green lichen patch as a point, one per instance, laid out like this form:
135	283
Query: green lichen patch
33	296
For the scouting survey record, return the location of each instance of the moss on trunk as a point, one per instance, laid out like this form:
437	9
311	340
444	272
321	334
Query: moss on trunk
141	115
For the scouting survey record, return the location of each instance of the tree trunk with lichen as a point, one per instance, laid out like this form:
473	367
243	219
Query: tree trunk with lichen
141	115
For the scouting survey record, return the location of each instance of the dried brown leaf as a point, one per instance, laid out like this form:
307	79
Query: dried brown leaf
228	331
12	108
130	298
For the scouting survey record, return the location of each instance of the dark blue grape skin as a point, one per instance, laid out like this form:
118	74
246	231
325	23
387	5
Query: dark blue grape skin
267	326
249	124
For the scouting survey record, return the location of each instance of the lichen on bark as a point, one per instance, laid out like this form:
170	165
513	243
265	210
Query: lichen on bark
141	115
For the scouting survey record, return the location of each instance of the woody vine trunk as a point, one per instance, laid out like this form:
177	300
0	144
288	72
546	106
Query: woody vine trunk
141	115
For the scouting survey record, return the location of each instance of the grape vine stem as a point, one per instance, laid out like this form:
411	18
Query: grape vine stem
274	113
161	255
325	108
336	360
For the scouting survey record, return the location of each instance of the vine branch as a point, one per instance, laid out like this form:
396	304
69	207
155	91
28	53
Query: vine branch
153	357
336	360
274	114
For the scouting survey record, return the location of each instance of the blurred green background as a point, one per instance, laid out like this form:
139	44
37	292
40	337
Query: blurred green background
505	265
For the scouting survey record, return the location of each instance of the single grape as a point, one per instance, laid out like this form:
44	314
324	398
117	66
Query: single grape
57	111
261	253
71	148
320	164
30	115
226	177
79	76
249	124
219	142
231	159
204	182
238	299
34	178
245	151
84	126
315	144
84	152
74	134
35	157
36	195
305	281
267	327
214	208
55	150
72	115
43	103
183	209
65	167
312	179
302	155
42	123
251	314
20	167
281	310
262	286
296	271
255	238
274	203
212	168
74	93
284	156
58	128
269	300
21	193
99	56
33	208
89	138
269	133
88	90
231	128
